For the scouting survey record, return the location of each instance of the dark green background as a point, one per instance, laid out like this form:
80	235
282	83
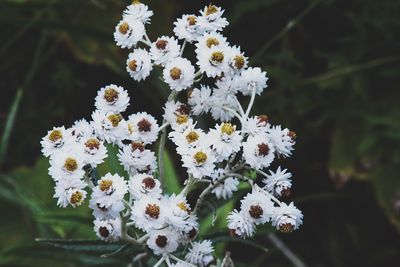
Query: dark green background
334	79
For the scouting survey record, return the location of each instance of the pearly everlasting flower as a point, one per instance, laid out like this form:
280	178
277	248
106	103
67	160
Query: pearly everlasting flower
236	60
112	98
201	253
226	188
110	189
148	213
67	164
129	32
177	115
209	40
139	64
252	79
189	138
136	159
258	152
199	161
257	206
163	241
222	104
278	183
108	230
80	129
283	140
240	225
94	150
70	192
144	184
257	125
199	100
164	50
142	128
110	126
225	140
138	11
105	211
54	141
178	214
213	61
179	74
211	19
187	28
287	218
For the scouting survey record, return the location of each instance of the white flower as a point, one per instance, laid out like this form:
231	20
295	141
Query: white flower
252	79
187	28
178	214
101	211
163	241
222	104
179	74
164	50
129	32
67	164
258	151
54	141
80	129
208	40
239	225
108	230
138	11
144	184
148	213
110	189
139	64
112	98
287	218
136	159
213	61
177	115
69	192
228	85
199	99
225	140
94	150
110	126
257	206
200	254
278	183
257	125
189	138
226	188
199	161
143	128
283	140
211	18
236	60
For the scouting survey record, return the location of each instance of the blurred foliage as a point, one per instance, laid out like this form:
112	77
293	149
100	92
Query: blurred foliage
334	69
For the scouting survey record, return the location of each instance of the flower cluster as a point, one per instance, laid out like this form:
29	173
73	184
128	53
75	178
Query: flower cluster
221	157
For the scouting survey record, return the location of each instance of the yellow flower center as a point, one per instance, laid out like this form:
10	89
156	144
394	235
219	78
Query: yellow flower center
175	73
76	198
105	185
123	28
92	143
71	164
211	9
114	119
110	95
183	206
238	61
192	137
55	135
227	128
217	57
136	2
212	41
192	20
200	157
181	119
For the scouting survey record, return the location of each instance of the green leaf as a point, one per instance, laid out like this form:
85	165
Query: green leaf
112	163
172	183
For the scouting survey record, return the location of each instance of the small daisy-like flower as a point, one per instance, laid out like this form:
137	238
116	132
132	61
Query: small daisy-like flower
211	19
112	98
189	138
142	128
148	213
163	242
80	129
67	165
225	140
110	126
136	159
199	100
220	102
69	192
287	218
94	150
129	32
236	59
178	213
257	125
278	183
258	152
252	79
199	161
257	206
283	140
177	115
108	230
179	74
213	61
165	49
226	188
54	141
187	28
144	184
110	189
139	64
103	212
239	225
138	11
200	254
209	40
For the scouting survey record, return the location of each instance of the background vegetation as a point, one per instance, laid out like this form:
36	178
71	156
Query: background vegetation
334	69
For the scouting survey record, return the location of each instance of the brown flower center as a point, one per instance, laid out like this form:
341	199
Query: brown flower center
115	119
192	20
238	61
153	210
263	149
104	231
292	135
144	125
111	95
123	28
183	109
55	135
76	198
70	164
211	9
161	44
161	241
132	65
212	41
217	57
148	183
227	128
262	119
92	143
256	211
137	145
200	157
286	228
105	185
285	193
175	73
192	137
192	233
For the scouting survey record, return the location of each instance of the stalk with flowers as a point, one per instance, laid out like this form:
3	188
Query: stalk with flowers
134	208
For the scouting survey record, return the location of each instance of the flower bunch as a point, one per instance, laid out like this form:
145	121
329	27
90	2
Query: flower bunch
221	157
